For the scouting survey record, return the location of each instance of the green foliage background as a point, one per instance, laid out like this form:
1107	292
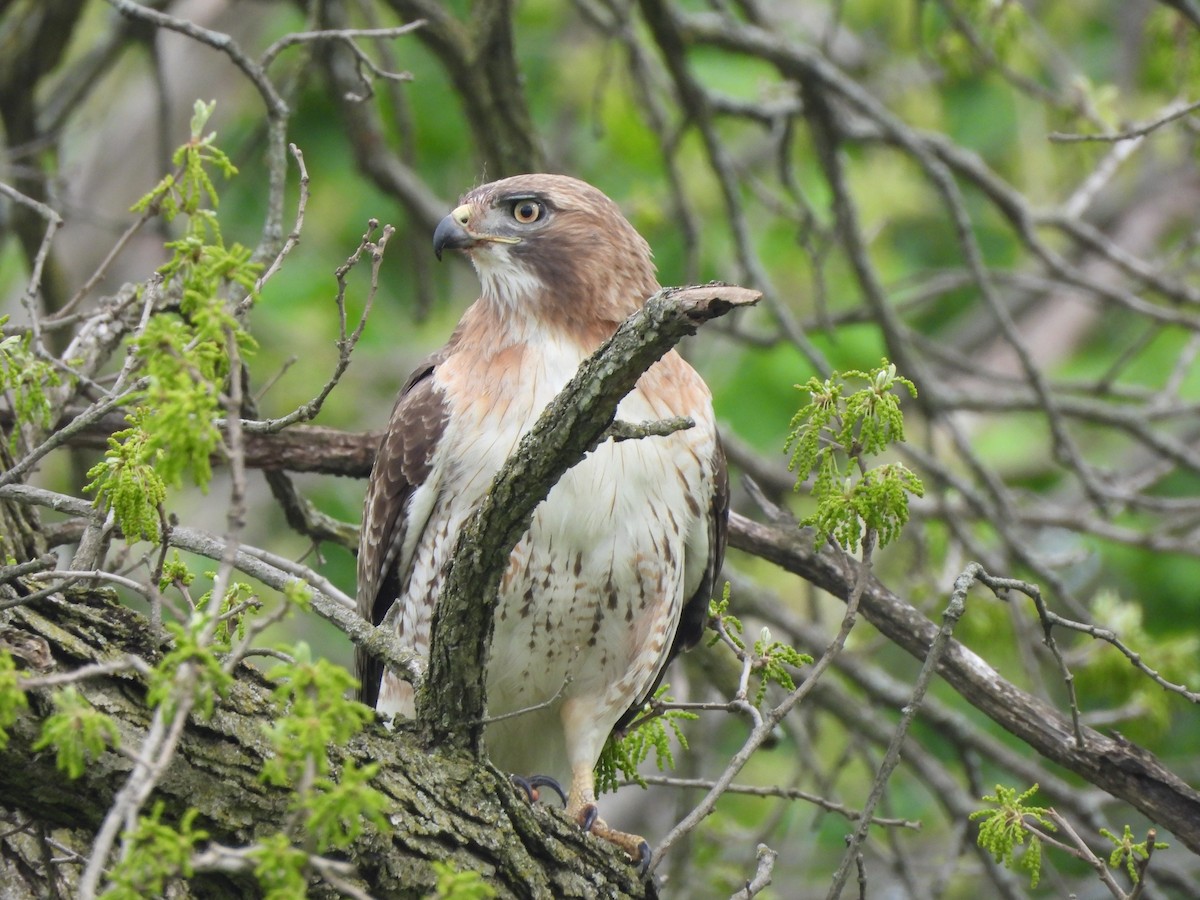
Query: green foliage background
1109	63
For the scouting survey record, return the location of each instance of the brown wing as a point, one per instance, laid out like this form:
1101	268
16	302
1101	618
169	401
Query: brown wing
402	465
694	616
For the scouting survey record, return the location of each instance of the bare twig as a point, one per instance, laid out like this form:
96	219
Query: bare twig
346	341
1170	114
785	793
950	617
762	875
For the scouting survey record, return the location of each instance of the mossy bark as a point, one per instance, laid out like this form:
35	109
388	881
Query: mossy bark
445	806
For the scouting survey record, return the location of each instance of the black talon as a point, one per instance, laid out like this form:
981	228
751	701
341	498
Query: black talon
589	816
644	857
530	786
523	783
538	781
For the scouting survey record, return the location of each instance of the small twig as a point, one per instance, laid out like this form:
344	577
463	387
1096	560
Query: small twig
346	342
272	570
70	576
999	586
63	315
1077	848
235	860
289	242
60	436
860	867
620	430
783	793
344	35
1144	864
1110	637
1172	112
53	223
215	39
764	730
891	759
562	688
1081	198
366	69
126	663
762	876
156	751
10	573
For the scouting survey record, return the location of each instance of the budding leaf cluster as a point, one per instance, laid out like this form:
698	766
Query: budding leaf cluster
205	677
156	853
1004	828
769	659
77	731
127	483
623	754
316	713
281	869
1128	853
831	438
331	805
453	884
182	353
24	378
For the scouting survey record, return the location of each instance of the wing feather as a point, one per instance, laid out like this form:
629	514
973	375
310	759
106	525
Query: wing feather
403	464
694	616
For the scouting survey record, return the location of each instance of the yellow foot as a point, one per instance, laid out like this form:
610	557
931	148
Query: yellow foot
634	845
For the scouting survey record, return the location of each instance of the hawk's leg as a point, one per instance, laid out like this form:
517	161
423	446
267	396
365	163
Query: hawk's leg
529	786
581	806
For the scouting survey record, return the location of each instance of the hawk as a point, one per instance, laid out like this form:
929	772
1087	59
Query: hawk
614	575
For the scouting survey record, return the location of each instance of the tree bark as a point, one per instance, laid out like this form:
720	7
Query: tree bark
445	806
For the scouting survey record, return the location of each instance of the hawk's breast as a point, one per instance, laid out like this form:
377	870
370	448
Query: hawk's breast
592	596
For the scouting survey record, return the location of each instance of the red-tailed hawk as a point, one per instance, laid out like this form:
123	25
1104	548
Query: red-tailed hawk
613	578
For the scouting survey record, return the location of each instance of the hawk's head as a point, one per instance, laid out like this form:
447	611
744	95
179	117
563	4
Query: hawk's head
551	246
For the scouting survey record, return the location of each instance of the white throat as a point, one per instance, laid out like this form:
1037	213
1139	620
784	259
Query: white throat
514	295
506	282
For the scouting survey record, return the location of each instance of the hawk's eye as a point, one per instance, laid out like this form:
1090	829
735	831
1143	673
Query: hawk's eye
527	211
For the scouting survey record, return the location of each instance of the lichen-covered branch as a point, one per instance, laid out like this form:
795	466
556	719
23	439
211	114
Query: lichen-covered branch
445	806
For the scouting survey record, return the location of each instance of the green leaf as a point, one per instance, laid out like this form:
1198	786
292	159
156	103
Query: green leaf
315	714
453	884
1003	829
280	868
339	810
183	356
155	853
12	698
831	438
773	658
206	678
128	485
77	731
622	755
25	378
1128	853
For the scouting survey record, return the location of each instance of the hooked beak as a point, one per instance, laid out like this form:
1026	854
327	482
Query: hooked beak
452	233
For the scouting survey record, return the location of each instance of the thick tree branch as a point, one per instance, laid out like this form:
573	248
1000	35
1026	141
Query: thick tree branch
446	806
